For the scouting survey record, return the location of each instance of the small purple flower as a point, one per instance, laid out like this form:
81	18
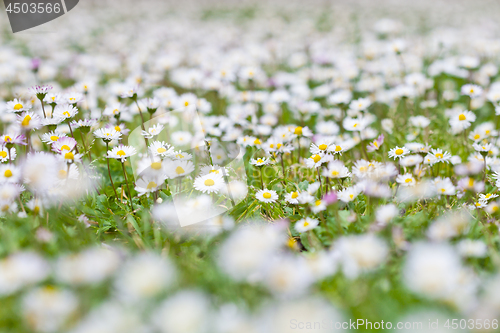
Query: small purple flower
330	198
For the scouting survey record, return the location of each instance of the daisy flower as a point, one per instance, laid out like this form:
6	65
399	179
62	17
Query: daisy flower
145	185
13	139
52	137
471	90
9	173
72	97
114	110
337	148
444	186
348	194
318	206
411	160
440	156
121	152
302	131
405	180
316	160
492	207
36	206
209	183
375	145
462	120
213	169
321	147
360	104
488	196
17	105
480	204
482	148
305	224
4	154
180	138
29	121
398	152
152	131
351	124
41	91
69	157
161	148
84	124
260	161
363	169
152	166
65	111
336	169
267	196
64	144
291	197
181	156
107	134
179	168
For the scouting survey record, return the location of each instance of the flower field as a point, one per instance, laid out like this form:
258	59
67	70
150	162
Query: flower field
253	167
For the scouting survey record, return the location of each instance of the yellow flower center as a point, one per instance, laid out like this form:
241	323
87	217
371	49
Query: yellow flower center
298	130
338	148
477	136
151	185
54	138
471	182
62	174
7	138
266	195
295	195
317	203
121	153
3	154
18	106
156	165
399	151
462	117
209	182
439	155
316	158
306	223
323	147
408	180
117	128
161	150
257	142
66	113
186	103
65	147
7	173
179	170
26	120
69	156
351	196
